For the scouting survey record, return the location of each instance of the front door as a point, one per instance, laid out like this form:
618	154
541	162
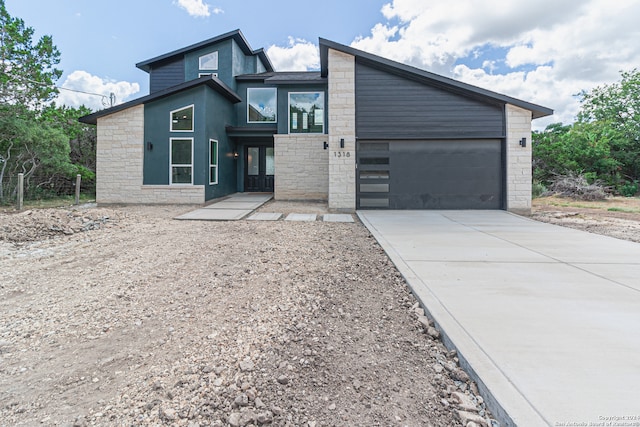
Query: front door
259	170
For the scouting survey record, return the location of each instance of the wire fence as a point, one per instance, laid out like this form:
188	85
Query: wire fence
40	187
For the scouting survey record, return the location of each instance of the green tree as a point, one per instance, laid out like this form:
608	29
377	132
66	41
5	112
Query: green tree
616	106
82	137
27	69
581	148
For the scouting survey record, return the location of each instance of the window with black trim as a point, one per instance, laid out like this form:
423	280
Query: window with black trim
262	105
306	112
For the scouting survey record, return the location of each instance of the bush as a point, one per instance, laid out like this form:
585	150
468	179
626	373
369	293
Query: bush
538	189
629	189
577	187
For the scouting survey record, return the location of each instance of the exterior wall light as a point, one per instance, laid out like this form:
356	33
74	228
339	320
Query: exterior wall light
149	146
341	142
523	142
325	145
235	155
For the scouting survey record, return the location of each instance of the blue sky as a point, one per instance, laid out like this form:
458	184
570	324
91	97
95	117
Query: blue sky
544	52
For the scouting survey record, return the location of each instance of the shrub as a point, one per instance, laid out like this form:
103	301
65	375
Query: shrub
538	189
577	187
628	189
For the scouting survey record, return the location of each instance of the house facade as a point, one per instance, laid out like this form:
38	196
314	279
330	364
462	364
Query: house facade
364	132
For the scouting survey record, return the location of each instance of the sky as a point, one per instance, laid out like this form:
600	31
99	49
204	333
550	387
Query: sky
545	51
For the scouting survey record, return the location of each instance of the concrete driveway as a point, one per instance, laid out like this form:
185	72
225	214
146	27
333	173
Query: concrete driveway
545	318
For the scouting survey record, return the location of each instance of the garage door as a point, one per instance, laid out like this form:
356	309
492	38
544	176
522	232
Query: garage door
442	174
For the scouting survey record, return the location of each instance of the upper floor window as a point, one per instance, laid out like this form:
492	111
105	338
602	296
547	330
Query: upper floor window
209	61
182	119
262	104
306	112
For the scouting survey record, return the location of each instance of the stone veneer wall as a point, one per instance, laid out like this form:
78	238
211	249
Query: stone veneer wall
342	125
302	167
518	160
119	164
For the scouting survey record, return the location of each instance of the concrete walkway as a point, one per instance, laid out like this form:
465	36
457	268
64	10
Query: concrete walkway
545	318
231	208
243	205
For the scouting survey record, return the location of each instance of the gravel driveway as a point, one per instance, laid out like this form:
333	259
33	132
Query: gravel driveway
123	316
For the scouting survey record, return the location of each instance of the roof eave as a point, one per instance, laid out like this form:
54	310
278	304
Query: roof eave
211	81
537	111
235	34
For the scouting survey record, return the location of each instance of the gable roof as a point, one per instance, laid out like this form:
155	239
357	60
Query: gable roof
211	81
235	35
425	76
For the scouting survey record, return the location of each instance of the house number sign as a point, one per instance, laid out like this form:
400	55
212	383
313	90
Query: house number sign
341	154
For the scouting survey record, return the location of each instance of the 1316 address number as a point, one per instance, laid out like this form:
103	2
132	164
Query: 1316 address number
342	154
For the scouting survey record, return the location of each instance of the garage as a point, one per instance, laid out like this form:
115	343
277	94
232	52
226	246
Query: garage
430	174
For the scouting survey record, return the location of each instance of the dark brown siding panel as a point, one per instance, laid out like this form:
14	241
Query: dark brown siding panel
392	106
166	75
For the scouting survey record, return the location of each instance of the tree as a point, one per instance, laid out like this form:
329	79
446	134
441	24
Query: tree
617	106
581	148
82	137
27	70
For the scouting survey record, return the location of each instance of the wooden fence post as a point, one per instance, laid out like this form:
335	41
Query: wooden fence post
78	181
20	190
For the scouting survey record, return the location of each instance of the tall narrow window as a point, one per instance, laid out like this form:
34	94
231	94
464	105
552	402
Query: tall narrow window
181	164
306	112
213	161
262	104
182	119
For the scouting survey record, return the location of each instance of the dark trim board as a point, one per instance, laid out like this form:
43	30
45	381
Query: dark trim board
431	174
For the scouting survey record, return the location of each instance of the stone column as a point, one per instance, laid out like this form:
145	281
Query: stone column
518	160
342	126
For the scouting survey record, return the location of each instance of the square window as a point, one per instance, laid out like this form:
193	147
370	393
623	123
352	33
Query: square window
181	162
306	112
262	105
208	61
182	120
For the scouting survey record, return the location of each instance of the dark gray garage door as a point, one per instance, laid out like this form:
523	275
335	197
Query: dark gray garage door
443	174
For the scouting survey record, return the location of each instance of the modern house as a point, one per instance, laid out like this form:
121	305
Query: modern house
363	132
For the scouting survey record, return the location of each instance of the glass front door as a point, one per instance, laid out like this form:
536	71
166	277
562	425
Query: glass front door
259	169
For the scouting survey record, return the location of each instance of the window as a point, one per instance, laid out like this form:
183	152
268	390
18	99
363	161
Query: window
181	167
262	104
306	112
213	161
182	120
208	61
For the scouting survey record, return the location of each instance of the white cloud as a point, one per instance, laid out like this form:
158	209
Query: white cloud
217	11
550	50
299	55
93	91
196	7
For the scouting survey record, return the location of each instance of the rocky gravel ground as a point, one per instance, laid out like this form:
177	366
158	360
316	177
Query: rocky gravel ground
123	316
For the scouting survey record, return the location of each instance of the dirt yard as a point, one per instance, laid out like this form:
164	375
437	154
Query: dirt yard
616	217
124	316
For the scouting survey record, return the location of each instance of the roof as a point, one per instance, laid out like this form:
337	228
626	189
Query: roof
425	76
286	77
235	35
211	81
